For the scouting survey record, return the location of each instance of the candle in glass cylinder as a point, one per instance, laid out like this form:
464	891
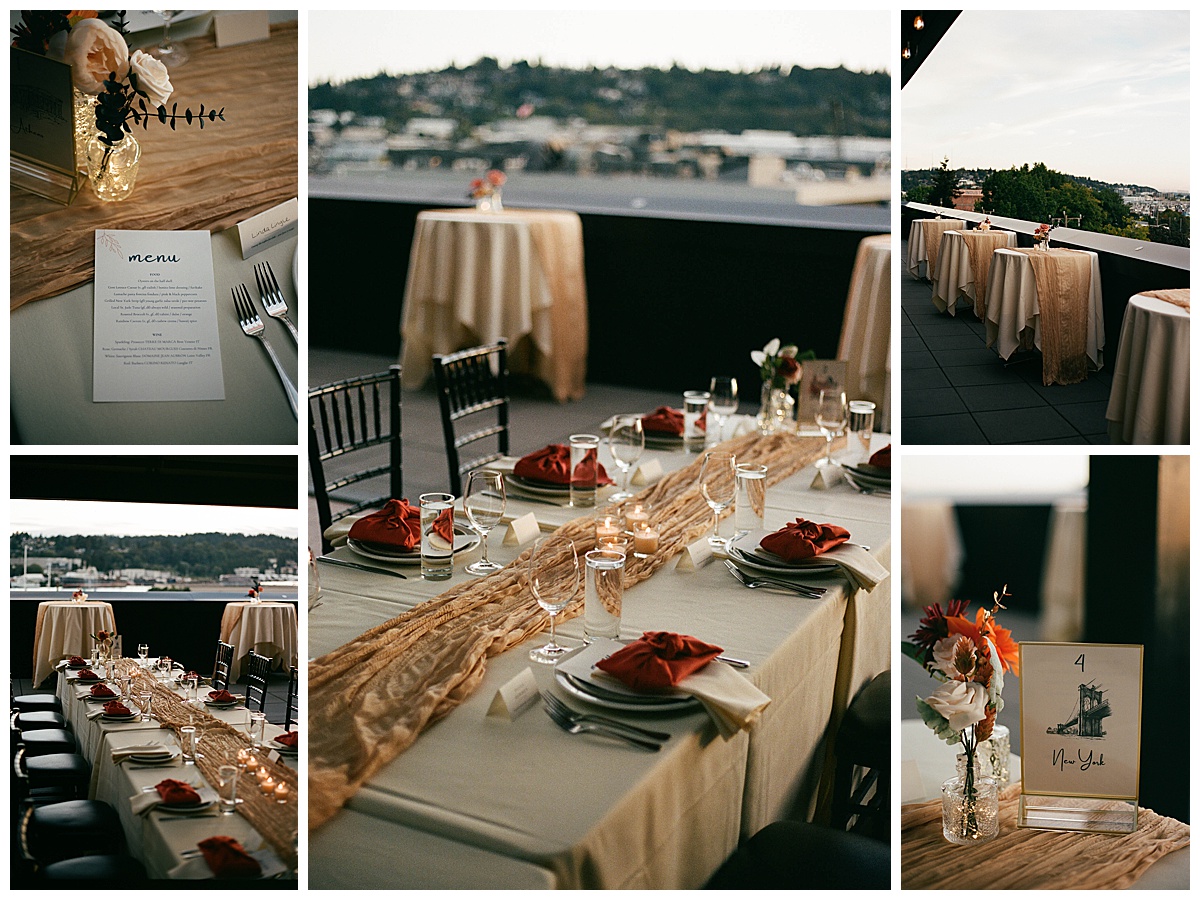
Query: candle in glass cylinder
607	531
267	786
281	793
263	774
637	517
645	541
251	764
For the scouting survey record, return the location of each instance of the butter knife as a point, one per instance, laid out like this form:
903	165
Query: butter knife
353	565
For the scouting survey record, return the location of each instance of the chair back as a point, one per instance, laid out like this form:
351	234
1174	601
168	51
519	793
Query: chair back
353	416
222	665
257	674
292	710
472	387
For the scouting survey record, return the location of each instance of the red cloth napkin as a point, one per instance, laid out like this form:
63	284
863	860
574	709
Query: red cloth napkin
666	420
76	661
116	708
288	738
443	525
881	458
176	793
102	690
228	859
804	539
658	659
87	674
398	524
553	464
221	696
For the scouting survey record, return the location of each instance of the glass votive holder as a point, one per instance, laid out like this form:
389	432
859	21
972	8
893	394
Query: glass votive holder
645	541
267	786
610	527
637	516
281	793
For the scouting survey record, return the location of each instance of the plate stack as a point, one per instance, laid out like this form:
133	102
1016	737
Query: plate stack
868	478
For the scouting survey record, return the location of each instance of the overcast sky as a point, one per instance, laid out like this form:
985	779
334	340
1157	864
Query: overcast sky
1009	478
52	517
1103	95
345	45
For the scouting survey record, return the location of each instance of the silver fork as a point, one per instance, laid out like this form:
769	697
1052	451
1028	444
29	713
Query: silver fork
249	319
272	297
589	727
804	590
568	713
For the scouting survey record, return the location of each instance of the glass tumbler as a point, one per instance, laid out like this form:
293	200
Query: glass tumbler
602	595
437	555
227	789
750	505
862	424
695	405
187	740
584	460
258	722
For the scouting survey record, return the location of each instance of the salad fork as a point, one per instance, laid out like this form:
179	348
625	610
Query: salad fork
568	713
758	581
584	727
272	296
252	324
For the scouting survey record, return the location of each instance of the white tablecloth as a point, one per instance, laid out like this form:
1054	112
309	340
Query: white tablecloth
267	627
623	817
932	554
866	342
475	277
1013	320
955	275
1151	390
64	629
918	252
1063	577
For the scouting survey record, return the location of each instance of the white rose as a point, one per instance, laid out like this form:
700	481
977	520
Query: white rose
94	51
152	77
963	703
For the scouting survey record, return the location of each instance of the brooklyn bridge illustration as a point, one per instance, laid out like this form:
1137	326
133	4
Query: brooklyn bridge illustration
1088	715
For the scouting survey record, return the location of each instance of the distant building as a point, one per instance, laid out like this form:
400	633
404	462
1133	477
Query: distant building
967	199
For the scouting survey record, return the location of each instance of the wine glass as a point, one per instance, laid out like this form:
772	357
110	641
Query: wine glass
724	401
169	53
484	503
718	484
831	418
314	582
554	580
626	442
143	652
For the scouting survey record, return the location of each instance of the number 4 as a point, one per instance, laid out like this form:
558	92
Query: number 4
1079	662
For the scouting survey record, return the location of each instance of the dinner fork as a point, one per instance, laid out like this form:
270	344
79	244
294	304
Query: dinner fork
757	581
591	727
568	713
272	296
252	324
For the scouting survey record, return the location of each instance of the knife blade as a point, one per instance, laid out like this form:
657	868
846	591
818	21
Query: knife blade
353	565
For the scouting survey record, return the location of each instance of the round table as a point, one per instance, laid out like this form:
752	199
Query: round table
267	627
1151	382
924	236
866	342
475	277
64	628
964	260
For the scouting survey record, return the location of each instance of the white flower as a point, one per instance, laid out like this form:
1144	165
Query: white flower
963	703
956	657
152	77
95	51
758	357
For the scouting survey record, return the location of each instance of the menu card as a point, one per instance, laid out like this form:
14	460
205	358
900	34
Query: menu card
155	333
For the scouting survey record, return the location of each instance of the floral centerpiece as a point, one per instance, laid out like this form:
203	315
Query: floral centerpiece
485	191
255	594
105	641
969	657
781	370
79	596
1041	236
985	225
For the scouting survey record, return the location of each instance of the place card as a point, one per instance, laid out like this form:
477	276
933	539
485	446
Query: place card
278	223
648	472
273	756
521	530
1081	729
241	27
826	477
515	696
155	333
695	555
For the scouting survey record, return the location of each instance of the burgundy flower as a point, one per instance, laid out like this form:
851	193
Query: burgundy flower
933	626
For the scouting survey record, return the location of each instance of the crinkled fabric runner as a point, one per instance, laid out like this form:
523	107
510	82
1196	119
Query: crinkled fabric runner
1022	858
1064	279
560	248
980	247
1181	297
370	698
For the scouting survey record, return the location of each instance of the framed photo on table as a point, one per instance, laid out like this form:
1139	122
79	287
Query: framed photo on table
1081	729
819	375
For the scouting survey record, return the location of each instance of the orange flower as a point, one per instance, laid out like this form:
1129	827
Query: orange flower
985	626
496	177
75	15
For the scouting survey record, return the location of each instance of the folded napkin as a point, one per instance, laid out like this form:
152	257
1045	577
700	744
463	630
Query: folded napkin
288	738
398	524
443	526
881	458
552	464
658	659
221	696
139	750
76	661
228	859
102	690
86	674
152	798
858	565
116	708
803	539
172	792
666	420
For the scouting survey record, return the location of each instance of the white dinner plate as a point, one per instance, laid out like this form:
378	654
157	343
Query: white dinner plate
105	717
870	475
282	748
89	680
649	704
774	565
464	540
201	807
221	704
90	699
539	488
151	759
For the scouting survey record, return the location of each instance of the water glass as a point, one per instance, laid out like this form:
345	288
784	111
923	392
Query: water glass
862	423
188	740
750	506
626	443
602	595
437	556
695	404
227	789
258	723
584	452
144	700
484	504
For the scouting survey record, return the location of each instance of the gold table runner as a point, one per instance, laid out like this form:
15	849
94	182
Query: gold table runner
980	247
933	229
188	179
370	698
1063	279
1025	858
1181	297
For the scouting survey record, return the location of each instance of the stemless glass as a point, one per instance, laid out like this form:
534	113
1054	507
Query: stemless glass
554	581
831	419
170	53
723	403
626	443
718	484
143	652
484	504
227	789
862	423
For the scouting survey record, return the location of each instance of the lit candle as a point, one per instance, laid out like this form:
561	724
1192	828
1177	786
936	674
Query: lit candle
251	764
645	541
637	517
264	774
242	755
607	531
281	793
267	786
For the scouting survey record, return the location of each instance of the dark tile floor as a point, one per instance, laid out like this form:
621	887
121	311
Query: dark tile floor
956	390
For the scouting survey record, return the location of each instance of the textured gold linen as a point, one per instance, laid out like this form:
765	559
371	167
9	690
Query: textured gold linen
559	245
1064	279
1181	297
188	179
980	247
933	229
370	698
1022	858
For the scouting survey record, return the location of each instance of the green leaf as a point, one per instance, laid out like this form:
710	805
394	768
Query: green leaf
938	723
913	652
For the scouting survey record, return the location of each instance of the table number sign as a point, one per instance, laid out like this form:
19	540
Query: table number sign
42	127
819	375
1081	722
